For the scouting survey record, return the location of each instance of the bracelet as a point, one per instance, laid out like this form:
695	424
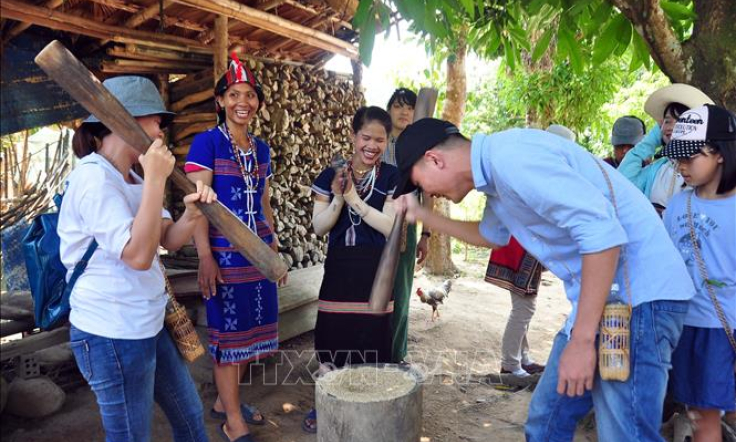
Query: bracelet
427	234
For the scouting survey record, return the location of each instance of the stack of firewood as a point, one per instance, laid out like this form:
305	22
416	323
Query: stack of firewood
306	120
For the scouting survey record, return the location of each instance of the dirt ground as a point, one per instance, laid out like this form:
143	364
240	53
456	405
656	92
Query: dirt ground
466	340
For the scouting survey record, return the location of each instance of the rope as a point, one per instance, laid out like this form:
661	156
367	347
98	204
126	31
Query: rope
704	273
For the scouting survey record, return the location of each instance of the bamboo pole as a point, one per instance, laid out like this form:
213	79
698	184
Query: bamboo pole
170	56
277	25
133	66
200	49
164	64
49	18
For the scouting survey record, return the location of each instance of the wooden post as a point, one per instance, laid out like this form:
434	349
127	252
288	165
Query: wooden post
221	44
357	66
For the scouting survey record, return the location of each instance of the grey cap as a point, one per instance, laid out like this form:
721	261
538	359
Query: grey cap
627	130
561	131
138	95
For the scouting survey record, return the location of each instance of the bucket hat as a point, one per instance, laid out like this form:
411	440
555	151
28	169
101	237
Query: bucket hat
627	130
138	95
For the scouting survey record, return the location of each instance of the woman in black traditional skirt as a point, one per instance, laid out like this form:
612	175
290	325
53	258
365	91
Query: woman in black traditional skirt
353	203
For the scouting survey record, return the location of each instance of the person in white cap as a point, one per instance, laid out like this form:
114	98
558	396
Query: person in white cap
702	223
659	180
562	131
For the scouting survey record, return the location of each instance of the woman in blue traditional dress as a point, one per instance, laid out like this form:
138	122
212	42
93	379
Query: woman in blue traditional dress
242	305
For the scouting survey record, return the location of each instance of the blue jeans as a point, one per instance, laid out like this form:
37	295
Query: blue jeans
625	411
127	375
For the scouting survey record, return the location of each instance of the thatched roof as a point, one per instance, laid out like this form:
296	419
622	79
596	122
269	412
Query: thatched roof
115	37
298	30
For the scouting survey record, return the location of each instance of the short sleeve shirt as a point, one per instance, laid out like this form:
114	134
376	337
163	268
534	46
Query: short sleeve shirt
350	229
715	231
110	299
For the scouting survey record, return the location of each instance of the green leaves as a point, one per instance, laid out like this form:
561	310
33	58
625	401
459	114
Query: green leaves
361	14
542	44
587	33
615	37
640	55
568	46
469	6
677	11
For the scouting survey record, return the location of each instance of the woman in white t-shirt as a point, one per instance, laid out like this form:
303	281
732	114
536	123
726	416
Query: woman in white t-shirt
117	333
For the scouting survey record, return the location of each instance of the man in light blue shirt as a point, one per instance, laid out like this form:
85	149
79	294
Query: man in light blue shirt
555	198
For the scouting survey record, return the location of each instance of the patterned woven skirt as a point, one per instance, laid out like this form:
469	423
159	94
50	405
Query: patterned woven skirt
513	269
242	320
346	332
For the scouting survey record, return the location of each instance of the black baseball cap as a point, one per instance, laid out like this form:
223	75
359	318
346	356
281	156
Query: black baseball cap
696	127
414	141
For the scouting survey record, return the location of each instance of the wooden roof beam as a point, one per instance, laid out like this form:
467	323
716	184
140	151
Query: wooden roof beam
277	25
311	10
146	14
49	18
20	27
133	8
344	8
118	4
267	6
314	23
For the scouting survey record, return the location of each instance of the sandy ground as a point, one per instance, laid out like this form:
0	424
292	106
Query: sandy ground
466	340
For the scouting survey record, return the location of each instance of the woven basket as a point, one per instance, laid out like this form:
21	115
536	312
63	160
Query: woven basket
182	331
613	354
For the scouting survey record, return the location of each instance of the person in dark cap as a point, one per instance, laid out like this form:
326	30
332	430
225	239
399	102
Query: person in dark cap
626	133
242	305
702	223
588	225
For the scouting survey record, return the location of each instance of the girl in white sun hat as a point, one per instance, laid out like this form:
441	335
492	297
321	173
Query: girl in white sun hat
659	180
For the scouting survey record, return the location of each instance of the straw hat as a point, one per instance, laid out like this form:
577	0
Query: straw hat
674	93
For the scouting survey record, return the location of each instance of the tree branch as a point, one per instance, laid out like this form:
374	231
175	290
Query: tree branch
650	22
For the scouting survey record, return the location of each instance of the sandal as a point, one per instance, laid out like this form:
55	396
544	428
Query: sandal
244	438
308	427
248	414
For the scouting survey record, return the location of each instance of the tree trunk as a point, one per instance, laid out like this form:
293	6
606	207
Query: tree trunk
439	259
706	59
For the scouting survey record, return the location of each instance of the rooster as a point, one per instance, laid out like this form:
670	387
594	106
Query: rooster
435	296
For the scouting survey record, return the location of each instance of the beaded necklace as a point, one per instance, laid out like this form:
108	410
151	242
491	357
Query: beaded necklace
365	184
364	187
248	165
